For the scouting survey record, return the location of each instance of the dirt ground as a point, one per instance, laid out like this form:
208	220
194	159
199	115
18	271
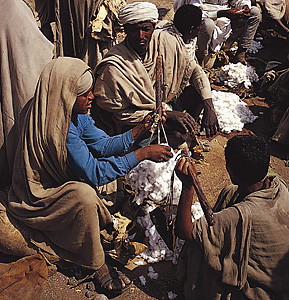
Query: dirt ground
213	177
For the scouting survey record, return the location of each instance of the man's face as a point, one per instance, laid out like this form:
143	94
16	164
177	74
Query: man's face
139	36
83	102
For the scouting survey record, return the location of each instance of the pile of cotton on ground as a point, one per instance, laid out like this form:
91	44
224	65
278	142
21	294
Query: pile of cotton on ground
234	74
232	113
152	181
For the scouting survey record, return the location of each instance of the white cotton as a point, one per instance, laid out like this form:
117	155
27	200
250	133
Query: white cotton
152	274
197	211
139	263
152	181
157	249
232	113
142	280
172	295
234	74
255	47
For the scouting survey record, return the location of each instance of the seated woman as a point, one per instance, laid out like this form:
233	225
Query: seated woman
60	156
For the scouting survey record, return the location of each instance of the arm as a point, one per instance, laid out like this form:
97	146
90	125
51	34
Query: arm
201	82
95	171
184	224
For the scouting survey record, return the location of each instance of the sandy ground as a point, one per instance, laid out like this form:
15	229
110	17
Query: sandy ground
213	177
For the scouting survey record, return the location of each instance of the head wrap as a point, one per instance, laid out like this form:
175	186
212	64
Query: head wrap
84	83
138	12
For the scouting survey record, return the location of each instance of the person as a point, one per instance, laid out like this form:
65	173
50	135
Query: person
24	51
218	20
274	86
244	255
60	158
86	29
126	80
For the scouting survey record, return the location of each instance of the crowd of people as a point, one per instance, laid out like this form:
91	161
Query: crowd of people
78	117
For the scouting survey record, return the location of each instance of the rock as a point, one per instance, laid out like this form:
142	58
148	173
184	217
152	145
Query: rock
89	294
100	297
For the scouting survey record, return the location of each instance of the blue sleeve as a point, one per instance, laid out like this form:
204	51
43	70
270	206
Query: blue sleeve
96	170
101	144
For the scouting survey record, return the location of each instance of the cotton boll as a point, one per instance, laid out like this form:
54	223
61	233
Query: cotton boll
152	274
255	47
151	180
172	295
232	113
196	210
234	74
139	263
142	280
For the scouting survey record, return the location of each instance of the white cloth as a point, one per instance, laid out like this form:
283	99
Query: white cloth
138	12
223	25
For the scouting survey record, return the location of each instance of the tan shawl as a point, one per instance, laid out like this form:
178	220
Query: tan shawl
24	52
125	85
43	194
246	253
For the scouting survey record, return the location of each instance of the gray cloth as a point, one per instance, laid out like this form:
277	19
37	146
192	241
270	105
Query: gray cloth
24	52
245	255
44	194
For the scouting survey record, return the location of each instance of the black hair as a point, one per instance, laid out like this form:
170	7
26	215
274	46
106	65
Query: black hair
248	158
186	17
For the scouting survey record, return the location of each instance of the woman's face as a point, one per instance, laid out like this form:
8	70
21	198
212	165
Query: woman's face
83	102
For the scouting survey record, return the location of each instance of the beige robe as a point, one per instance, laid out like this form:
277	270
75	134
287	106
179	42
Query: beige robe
24	52
125	85
65	215
245	255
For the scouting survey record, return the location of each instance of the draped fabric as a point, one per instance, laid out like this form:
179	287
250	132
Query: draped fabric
246	253
44	194
24	52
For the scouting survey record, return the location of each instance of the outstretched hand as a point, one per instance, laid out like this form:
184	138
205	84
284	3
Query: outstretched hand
181	121
210	121
157	153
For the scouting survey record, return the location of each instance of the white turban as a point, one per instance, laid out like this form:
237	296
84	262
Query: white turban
84	83
138	12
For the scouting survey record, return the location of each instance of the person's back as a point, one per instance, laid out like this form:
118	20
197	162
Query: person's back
245	253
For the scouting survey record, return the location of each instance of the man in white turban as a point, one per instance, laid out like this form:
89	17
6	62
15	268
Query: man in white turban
126	77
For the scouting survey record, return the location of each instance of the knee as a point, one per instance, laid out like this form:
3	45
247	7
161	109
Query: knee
84	195
208	27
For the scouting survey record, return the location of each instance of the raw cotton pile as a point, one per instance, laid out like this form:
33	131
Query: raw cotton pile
157	249
232	113
151	180
234	74
255	47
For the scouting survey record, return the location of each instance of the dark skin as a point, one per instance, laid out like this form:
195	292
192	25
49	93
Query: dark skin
233	13
157	153
184	222
138	36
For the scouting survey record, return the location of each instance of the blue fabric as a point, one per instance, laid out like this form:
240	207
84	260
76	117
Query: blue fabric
91	152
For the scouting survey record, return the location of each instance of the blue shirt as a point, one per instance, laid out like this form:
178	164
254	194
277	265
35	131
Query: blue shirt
91	152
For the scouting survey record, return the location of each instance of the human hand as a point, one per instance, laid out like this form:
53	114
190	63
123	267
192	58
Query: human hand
209	121
182	168
157	153
181	121
146	124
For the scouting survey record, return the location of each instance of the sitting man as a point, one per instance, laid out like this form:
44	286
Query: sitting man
60	158
126	77
243	18
244	255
